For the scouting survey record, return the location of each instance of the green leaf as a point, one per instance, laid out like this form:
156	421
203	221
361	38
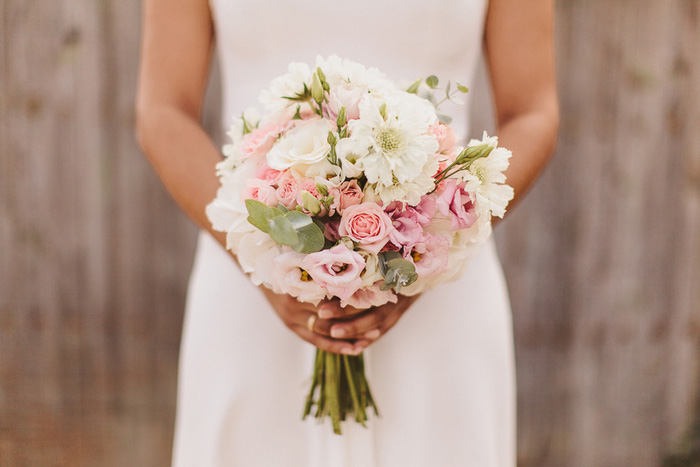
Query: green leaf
382	110
447	90
311	239
462	88
432	81
402	266
282	231
298	219
259	214
384	258
414	87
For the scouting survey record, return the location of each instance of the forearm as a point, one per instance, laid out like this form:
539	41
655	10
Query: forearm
184	157
531	137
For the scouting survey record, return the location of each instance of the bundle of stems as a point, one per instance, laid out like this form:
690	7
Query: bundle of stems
339	389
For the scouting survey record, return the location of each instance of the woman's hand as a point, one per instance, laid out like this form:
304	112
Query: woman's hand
333	328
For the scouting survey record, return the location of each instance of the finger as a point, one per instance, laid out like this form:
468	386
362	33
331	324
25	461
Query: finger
357	327
324	343
332	310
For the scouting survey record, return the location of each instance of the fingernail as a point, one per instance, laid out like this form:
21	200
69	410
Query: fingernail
325	313
337	332
373	334
347	351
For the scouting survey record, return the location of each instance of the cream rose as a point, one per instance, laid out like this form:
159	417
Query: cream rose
300	148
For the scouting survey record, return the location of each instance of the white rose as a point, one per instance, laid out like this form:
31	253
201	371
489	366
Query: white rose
301	147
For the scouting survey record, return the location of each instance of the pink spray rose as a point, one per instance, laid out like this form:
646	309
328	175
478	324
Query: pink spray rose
457	203
265	172
445	137
287	190
260	140
337	270
347	95
346	195
367	224
430	256
260	190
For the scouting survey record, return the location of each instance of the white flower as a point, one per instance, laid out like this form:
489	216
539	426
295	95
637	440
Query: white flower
343	71
349	152
256	254
290	84
410	192
371	273
488	180
302	147
400	144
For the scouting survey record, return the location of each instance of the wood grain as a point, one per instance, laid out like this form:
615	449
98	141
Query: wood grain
602	258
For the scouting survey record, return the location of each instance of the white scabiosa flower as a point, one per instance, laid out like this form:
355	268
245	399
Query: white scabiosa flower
399	144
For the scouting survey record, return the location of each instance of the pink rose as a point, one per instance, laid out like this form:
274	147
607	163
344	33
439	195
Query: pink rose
289	277
265	172
430	256
457	203
337	270
260	140
368	297
445	136
287	189
260	190
346	195
347	95
367	224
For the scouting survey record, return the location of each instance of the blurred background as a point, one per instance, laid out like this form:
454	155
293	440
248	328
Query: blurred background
602	258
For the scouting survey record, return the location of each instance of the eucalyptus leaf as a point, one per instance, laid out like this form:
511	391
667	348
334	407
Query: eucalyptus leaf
282	231
462	88
259	214
403	266
384	258
311	239
446	119
432	81
298	219
447	90
413	89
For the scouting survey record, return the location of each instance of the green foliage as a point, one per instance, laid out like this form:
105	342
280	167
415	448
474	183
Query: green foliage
413	89
432	81
292	228
398	272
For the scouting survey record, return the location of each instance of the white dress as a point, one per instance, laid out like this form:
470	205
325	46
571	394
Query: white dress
443	377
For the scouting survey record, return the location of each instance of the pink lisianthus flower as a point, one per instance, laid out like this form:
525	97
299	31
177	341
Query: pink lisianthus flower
367	224
368	297
331	230
260	190
458	204
260	140
347	95
287	190
347	194
425	210
289	277
265	172
430	256
337	270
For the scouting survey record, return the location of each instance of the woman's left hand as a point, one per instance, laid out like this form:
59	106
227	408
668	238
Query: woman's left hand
365	326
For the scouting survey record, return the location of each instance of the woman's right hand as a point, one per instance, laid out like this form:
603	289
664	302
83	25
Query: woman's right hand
298	317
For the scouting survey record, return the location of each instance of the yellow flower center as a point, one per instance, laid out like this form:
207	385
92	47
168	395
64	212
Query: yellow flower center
305	277
481	173
390	140
416	256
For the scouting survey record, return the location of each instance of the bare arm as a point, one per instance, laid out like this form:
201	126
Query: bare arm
175	57
520	55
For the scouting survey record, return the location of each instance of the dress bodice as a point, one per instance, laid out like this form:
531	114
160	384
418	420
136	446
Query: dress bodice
406	39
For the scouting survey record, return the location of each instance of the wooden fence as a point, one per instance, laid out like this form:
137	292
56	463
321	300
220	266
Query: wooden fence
603	258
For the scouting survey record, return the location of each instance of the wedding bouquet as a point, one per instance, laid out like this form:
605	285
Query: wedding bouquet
354	189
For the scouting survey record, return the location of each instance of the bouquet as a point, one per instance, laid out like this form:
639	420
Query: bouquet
353	188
